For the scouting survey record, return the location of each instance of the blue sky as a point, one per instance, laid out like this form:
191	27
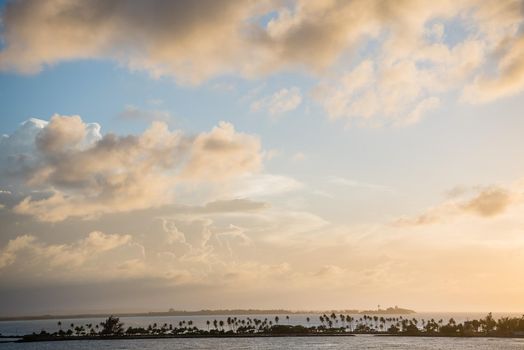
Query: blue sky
360	146
448	142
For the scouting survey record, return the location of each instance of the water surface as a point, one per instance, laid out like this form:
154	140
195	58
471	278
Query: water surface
358	342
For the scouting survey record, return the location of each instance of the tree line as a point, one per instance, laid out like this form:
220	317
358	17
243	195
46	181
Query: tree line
327	325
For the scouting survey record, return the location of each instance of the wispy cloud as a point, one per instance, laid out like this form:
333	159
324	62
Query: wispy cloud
282	101
342	181
132	113
484	202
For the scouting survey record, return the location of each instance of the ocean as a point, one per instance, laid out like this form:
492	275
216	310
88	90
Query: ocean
357	342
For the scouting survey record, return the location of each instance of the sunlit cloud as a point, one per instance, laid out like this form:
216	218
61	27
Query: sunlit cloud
484	202
60	255
342	181
402	55
282	101
344	121
86	174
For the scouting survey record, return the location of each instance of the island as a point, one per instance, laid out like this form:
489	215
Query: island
328	325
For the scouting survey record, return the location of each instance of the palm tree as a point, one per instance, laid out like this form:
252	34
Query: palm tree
208	323
59	323
276	319
287	319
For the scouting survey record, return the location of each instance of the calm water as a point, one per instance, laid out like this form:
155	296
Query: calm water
27	327
354	343
357	342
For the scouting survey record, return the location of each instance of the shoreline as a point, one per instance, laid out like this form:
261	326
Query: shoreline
26	339
31	339
330	326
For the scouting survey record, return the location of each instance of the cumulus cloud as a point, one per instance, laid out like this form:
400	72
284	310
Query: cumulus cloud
81	173
484	202
280	102
364	51
8	253
399	86
402	61
61	255
191	41
507	81
222	153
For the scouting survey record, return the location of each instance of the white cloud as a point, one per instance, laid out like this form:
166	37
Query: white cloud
8	253
61	255
253	252
86	174
263	185
342	181
401	53
421	108
280	102
484	202
413	64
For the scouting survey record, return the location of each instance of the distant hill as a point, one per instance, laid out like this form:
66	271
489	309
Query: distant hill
234	312
389	311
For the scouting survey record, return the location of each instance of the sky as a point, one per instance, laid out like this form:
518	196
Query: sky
216	154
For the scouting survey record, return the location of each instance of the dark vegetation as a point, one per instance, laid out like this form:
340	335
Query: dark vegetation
332	324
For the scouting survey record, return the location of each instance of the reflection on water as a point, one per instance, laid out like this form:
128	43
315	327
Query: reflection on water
356	343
